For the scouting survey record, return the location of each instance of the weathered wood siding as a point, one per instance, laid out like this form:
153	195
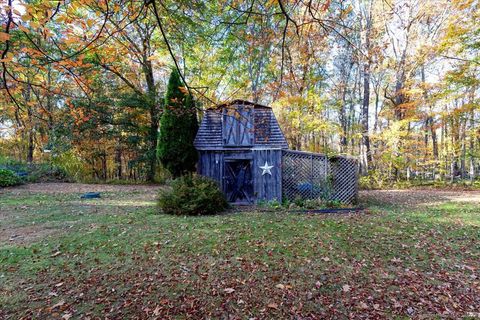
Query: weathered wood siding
267	187
209	134
267	131
210	164
238	126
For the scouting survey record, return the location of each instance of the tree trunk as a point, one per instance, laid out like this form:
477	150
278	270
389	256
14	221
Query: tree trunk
463	150
104	166
343	122
472	140
434	140
154	119
31	147
118	162
366	96
30	126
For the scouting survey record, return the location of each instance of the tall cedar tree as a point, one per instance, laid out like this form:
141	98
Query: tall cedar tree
178	127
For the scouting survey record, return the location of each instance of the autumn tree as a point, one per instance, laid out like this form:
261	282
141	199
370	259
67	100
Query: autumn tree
392	82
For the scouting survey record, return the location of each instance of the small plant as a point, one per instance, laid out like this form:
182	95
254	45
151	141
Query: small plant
333	204
192	195
261	203
311	204
273	204
36	172
44	172
68	166
298	201
8	178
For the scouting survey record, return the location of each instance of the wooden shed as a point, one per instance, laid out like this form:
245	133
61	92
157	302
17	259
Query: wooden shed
239	145
242	147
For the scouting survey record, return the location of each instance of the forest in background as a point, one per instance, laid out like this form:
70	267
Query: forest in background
393	82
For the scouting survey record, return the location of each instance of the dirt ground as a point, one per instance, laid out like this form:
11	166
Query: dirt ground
149	191
418	197
17	217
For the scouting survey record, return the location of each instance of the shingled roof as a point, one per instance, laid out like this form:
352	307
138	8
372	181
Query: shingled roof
267	132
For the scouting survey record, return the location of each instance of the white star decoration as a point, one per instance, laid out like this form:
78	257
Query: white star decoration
266	169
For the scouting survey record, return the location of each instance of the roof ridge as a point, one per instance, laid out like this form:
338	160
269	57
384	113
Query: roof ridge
239	101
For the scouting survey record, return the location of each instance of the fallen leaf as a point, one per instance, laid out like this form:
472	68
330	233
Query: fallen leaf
363	305
410	310
346	288
273	305
56	254
58	304
229	290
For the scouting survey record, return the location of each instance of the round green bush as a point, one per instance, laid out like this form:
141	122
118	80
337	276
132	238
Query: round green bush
192	195
8	178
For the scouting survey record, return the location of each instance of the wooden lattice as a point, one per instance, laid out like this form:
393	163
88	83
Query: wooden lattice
314	176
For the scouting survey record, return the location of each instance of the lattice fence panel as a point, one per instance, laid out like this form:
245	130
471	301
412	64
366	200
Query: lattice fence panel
296	175
344	179
314	176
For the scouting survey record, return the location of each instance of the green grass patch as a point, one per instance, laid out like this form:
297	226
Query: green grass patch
120	250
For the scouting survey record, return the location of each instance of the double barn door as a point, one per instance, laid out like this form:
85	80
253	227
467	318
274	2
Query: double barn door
238	181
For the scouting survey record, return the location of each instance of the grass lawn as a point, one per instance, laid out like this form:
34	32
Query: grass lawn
413	254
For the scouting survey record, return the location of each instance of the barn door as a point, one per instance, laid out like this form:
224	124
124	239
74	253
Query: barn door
238	181
238	126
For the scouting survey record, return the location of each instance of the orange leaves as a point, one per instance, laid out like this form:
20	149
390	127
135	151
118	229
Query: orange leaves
23	28
408	105
34	24
79	115
6	59
4	37
90	22
463	4
347	11
70	40
34	53
326	5
26	18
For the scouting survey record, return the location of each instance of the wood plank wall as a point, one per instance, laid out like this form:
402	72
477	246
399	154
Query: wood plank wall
267	187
